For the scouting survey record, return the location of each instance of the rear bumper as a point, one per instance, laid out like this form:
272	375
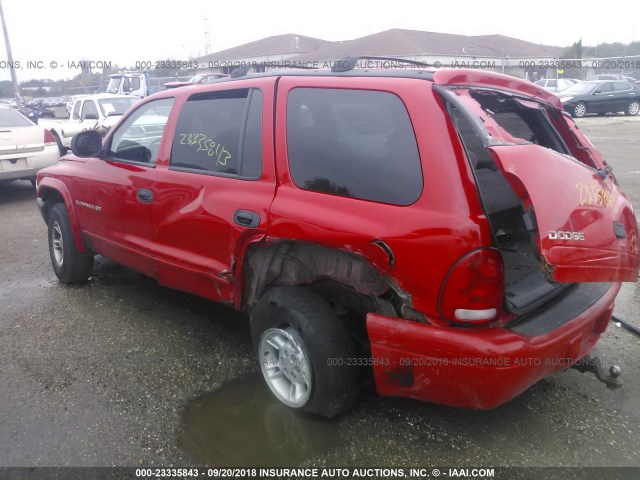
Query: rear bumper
27	166
478	368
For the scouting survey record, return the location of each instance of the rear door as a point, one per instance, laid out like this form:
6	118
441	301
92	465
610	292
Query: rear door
623	94
213	196
602	99
585	226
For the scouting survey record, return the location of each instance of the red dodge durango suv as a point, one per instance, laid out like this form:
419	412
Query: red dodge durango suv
451	233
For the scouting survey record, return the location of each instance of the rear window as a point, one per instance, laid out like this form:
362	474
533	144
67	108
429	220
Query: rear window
353	143
508	119
11	118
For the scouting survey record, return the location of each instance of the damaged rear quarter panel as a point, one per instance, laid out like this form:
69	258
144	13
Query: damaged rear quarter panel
426	237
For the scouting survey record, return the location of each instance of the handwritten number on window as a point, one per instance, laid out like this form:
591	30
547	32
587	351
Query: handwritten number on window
205	144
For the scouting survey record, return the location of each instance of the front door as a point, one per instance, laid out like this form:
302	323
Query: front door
115	199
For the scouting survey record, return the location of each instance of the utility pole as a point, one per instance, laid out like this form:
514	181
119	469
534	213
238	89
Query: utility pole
14	78
207	37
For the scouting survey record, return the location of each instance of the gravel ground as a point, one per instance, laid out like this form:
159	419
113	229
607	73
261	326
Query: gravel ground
123	372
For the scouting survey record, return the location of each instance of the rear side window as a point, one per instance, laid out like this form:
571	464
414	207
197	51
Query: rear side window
220	133
622	87
353	143
604	88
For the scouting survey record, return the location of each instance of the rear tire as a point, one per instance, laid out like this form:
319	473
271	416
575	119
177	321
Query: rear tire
69	265
304	351
633	108
580	110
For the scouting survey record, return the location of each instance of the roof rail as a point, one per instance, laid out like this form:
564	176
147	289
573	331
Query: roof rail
349	63
243	70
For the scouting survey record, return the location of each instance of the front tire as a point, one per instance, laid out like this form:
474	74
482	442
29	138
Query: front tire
69	265
580	110
305	352
633	108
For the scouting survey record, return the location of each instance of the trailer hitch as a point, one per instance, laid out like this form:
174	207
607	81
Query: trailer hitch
607	374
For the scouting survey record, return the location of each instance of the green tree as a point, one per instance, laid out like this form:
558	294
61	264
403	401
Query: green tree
574	52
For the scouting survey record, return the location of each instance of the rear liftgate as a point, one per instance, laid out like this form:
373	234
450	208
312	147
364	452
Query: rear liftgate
557	215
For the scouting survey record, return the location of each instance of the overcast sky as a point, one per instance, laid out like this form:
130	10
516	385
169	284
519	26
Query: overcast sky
126	31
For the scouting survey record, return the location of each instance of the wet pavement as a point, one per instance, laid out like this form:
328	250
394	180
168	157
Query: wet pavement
123	372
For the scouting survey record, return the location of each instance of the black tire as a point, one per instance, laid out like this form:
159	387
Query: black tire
579	110
323	340
69	265
61	148
633	108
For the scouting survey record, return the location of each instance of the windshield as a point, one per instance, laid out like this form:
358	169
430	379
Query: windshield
114	84
11	118
579	88
116	106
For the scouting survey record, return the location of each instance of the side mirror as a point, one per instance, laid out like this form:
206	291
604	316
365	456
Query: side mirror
596	92
86	144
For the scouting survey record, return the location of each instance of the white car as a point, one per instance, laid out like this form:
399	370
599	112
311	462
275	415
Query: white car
90	112
554	85
25	147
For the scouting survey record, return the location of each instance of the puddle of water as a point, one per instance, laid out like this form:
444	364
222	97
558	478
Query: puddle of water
243	424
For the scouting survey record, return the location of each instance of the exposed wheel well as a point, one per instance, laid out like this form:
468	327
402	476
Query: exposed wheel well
348	283
343	279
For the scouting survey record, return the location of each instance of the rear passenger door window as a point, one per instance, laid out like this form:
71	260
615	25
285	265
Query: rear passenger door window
220	133
604	88
353	143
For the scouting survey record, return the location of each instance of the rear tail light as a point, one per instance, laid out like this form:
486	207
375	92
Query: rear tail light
473	289
49	139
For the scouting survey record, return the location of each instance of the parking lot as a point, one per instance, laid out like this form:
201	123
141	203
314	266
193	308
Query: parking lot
123	372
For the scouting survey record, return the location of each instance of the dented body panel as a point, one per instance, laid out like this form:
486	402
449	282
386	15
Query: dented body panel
477	368
586	233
